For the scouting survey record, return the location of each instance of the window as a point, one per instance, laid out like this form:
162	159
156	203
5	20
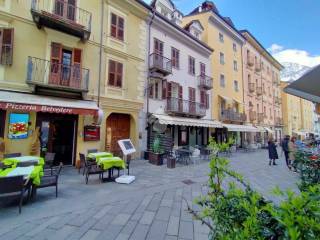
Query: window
175	57
202	69
158	47
235	65
192	70
249	78
221	39
204	99
236	85
6	46
117	27
156	90
221	58
222	81
115	73
234	46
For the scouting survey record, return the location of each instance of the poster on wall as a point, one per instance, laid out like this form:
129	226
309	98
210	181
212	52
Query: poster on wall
18	126
91	133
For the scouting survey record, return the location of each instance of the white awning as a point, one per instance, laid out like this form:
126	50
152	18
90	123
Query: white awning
269	130
261	129
181	121
227	99
37	103
300	133
240	128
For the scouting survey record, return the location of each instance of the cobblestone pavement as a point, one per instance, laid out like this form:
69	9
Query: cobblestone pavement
153	207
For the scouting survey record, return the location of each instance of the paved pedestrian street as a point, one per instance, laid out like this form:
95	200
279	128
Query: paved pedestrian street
153	207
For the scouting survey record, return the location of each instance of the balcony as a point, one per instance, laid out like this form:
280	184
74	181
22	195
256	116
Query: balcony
251	87
261	117
205	82
259	91
46	76
252	115
257	67
160	64
250	61
232	116
62	16
277	100
278	121
181	107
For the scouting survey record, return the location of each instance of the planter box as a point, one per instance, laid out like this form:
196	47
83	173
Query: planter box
155	158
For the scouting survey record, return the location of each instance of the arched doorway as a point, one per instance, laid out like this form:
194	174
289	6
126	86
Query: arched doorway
118	127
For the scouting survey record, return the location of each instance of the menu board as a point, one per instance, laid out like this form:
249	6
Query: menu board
126	146
18	126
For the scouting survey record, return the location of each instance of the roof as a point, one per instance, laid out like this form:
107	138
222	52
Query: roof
307	86
256	40
190	23
182	30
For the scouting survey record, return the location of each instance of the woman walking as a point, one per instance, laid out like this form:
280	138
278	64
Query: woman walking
292	151
273	154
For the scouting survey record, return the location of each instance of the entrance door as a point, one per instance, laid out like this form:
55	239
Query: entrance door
118	127
58	135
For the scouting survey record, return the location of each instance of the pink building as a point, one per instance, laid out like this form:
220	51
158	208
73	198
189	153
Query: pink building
262	91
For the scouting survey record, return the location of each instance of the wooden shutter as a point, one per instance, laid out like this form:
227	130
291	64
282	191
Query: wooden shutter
76	68
119	74
112	73
151	90
7	46
207	101
164	89
180	95
120	30
71	9
55	64
202	69
113	30
169	90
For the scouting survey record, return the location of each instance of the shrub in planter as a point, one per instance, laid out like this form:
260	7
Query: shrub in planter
156	154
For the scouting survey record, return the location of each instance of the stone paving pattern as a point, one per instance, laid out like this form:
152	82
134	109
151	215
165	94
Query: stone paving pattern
153	207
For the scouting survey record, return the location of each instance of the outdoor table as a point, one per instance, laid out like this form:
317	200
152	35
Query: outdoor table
32	172
15	160
98	155
107	163
184	153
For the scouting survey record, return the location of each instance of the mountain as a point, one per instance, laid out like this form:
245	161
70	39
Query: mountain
292	71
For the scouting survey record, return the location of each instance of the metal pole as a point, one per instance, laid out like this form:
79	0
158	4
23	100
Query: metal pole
101	49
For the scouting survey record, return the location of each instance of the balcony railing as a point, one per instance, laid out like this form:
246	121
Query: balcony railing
257	67
261	117
259	91
251	87
252	115
49	74
186	108
62	16
278	121
232	115
250	61
161	64
205	82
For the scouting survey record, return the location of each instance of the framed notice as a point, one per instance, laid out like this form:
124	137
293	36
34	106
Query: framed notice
91	133
18	125
126	146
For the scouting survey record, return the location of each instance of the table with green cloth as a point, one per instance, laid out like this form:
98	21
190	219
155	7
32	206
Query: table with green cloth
110	162
34	173
15	160
98	155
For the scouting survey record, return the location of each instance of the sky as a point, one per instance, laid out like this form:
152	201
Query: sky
289	29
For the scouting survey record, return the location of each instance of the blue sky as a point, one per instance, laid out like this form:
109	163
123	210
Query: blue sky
291	26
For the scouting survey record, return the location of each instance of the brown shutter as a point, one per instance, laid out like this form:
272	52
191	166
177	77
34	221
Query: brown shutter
55	64
119	74
180	92
151	91
169	90
207	101
76	68
112	73
113	30
120	30
7	46
164	89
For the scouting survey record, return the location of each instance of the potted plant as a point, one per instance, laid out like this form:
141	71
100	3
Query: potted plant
156	153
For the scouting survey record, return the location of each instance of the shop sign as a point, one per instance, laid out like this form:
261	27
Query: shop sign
44	108
91	133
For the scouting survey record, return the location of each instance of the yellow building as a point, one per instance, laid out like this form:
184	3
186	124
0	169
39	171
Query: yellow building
221	35
50	71
297	114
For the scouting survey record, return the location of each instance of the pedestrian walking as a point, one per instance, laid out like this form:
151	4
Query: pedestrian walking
285	149
292	151
273	154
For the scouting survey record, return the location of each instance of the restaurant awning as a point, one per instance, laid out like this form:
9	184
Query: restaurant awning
181	121
307	86
240	128
36	103
269	130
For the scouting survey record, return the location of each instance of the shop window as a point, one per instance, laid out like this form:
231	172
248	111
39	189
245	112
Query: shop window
117	27
115	74
183	136
6	46
2	122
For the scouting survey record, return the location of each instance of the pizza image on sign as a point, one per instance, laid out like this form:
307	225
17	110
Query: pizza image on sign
18	126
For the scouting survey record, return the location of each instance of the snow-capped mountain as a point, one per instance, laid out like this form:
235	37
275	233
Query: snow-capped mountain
292	71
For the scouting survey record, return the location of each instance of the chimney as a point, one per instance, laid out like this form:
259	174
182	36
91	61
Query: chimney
200	9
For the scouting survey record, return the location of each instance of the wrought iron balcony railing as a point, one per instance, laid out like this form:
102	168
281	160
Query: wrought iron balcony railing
232	115
62	16
178	106
51	74
261	117
278	121
161	64
205	82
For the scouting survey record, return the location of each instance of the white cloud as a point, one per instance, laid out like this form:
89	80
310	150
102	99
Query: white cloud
294	56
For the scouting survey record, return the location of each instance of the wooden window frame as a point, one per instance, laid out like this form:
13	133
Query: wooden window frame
192	66
161	43
116	72
175	58
116	30
6	46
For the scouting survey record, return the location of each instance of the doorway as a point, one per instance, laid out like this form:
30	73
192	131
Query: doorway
58	135
118	127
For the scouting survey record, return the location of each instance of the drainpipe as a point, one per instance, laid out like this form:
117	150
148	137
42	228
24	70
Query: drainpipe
101	50
148	76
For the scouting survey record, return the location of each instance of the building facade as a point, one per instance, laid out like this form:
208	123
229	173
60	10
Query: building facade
59	60
262	91
179	83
